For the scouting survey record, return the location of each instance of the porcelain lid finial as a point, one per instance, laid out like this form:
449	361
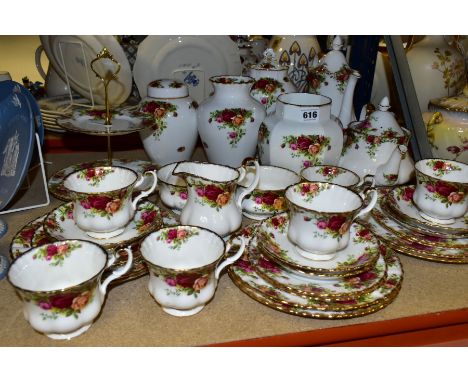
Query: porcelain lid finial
384	104
337	43
269	55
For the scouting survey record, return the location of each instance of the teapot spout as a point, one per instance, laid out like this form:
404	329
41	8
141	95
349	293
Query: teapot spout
346	111
387	173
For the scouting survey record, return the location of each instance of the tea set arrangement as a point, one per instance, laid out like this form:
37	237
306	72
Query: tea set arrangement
330	202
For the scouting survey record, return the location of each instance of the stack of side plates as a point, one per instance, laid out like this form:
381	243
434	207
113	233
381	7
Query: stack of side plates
396	222
53	108
362	278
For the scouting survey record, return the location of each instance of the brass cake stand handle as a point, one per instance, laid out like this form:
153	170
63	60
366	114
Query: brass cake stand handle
106	79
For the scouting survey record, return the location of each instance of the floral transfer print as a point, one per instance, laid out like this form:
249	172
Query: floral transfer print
55	253
366	134
65	305
267	90
214	195
330	172
452	70
94	175
441	167
62	213
309	190
189	283
177	236
309	147
97	114
278	223
231	80
268	200
155	113
149	215
457	150
444	192
234	121
363	236
404	193
104	205
334	226
182	193
318	76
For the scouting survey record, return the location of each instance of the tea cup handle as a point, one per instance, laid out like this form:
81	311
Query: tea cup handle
147	192
367	182
230	259
118	272
370	205
251	187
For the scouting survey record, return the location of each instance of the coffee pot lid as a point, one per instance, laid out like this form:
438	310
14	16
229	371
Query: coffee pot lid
334	59
455	103
269	62
167	88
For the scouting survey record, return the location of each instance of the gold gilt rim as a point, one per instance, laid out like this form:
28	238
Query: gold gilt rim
416	240
438	228
434	246
69	127
325	297
286	309
415	253
320	272
154	227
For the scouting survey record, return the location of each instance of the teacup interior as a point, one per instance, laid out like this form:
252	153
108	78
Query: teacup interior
100	179
271	178
213	172
165	175
343	177
35	272
323	197
450	171
168	249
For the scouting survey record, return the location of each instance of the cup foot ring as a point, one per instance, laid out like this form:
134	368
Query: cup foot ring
435	220
314	256
105	235
68	336
183	313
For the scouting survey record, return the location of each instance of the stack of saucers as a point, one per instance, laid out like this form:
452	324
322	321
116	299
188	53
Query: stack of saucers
397	222
362	278
53	108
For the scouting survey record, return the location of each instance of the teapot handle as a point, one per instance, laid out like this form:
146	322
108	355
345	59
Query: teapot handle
147	192
230	259
252	186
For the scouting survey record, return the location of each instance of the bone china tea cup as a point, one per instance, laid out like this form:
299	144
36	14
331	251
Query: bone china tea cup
320	216
172	188
441	190
102	198
60	285
183	263
268	196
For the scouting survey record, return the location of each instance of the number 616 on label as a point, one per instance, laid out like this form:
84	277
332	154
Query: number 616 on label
310	114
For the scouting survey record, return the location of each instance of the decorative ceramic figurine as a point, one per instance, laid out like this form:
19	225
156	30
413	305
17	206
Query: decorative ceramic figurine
447	127
333	78
441	190
60	285
171	117
229	120
320	216
268	197
437	69
184	267
212	201
301	133
297	52
271	80
102	198
378	146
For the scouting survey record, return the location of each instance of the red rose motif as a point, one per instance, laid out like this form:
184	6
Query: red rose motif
408	194
99	202
366	276
245	265
90	173
172	234
438	165
28	234
51	250
363	232
454	149
150	107
444	189
148	217
227	115
336	222
303	143
370	138
212	192
62	301
186	280
402	140
261	84
269	198
269	266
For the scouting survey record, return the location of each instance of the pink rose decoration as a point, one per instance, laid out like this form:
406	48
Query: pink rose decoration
258	200
264	101
45	305
307	164
171	235
430	188
322	224
293	146
171	282
183	195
